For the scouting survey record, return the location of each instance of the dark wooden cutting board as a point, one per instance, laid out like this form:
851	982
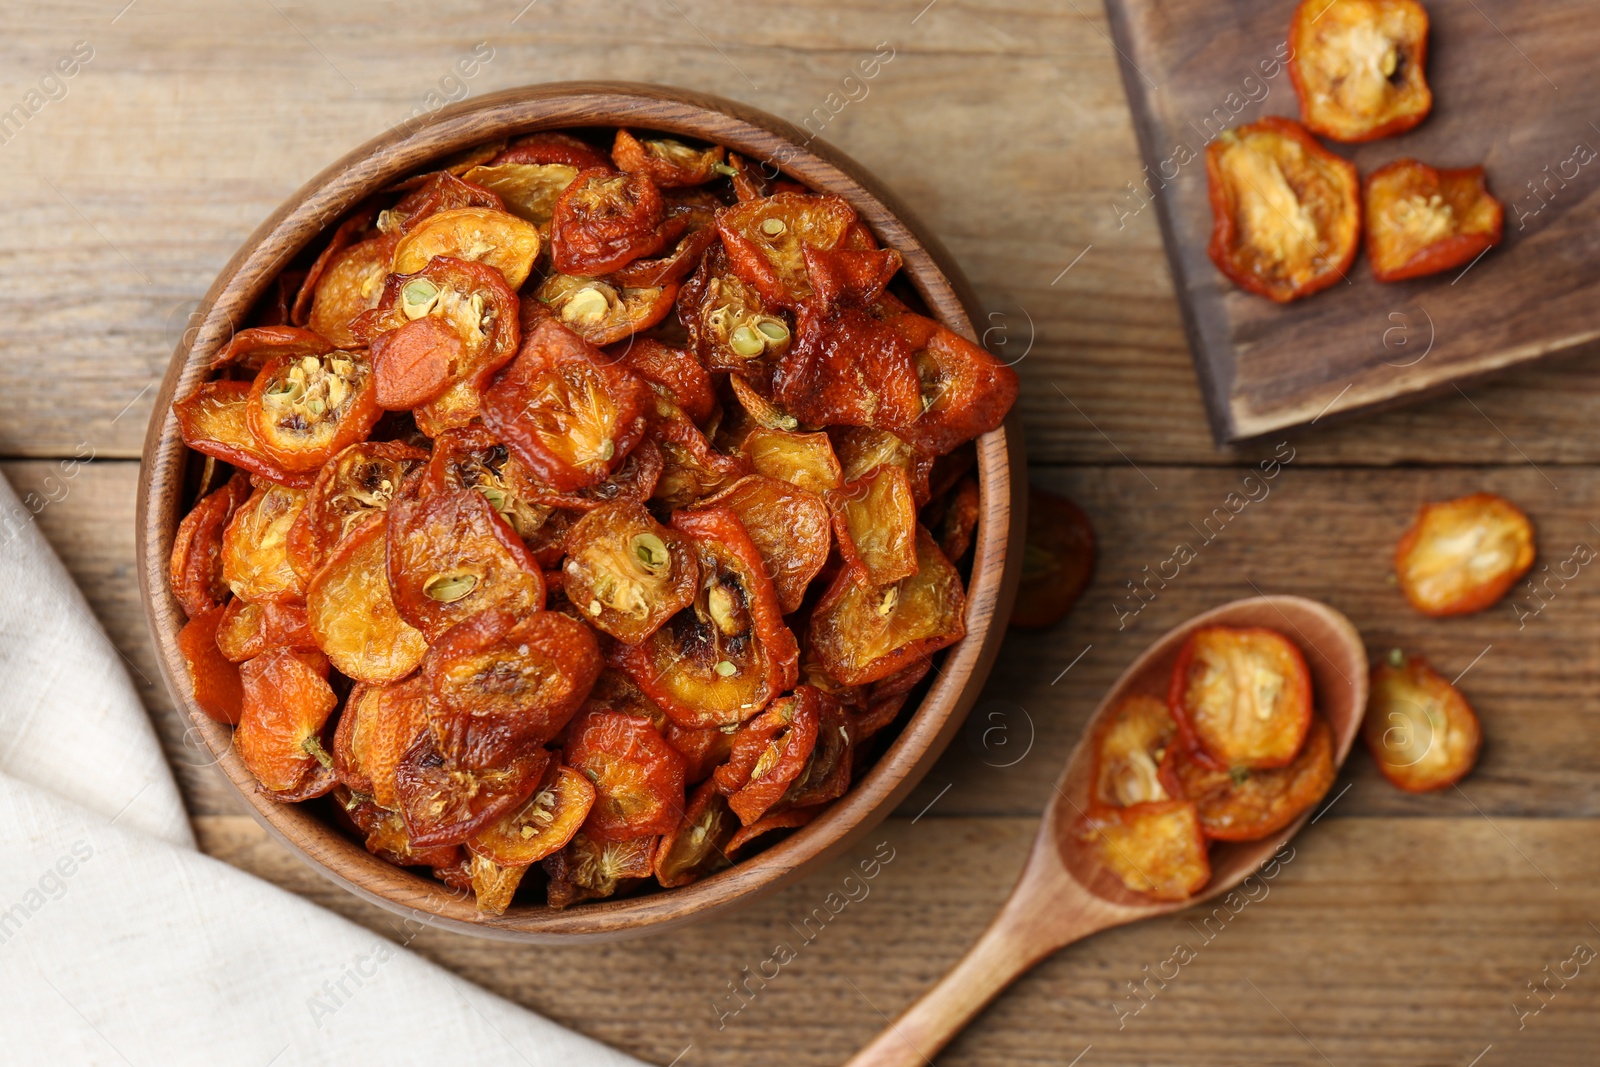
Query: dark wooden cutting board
1516	89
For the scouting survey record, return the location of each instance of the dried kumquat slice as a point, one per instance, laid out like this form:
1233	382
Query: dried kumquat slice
1420	729
1462	555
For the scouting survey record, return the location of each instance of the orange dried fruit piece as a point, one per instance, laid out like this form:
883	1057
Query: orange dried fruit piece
451	555
1240	804
1421	220
255	546
214	677
470	458
287	701
1462	555
730	327
194	569
1286	212
542	825
875	519
766	240
966	392
252	349
484	235
589	869
633	480
445	804
503	681
850	366
550	146
351	285
1128	750
703	751
1058	557
347	233
493	886
215	421
386	838
304	409
603	221
674	372
353	615
719	661
666	162
1358	66
770	752
475	331
849	275
789	528
678	262
626	572
958	520
530	190
691	470
358	482
826	775
1420	729
804	460
431	194
1241	697
862	450
1155	848
791	819
566	410
697	846
601	311
637	776
248	628
862	633
377	728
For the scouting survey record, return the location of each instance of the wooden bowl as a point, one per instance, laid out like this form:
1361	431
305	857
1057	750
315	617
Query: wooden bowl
306	216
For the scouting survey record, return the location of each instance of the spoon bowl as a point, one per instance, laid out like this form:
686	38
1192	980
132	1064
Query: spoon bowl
1065	893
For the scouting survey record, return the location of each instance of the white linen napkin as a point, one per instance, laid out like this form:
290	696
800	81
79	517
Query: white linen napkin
120	943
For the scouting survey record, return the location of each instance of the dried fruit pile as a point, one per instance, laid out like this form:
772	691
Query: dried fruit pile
580	515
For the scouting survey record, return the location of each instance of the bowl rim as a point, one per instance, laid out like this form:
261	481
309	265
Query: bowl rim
406	149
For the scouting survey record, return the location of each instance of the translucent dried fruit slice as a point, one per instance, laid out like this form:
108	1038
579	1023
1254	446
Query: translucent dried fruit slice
849	276
358	482
730	326
602	312
1156	849
446	805
351	286
411	365
475	235
352	739
543	825
1128	750
861	450
1241	697
1240	804
863	633
637	776
344	235
435	193
1358	66
674	265
248	628
502	682
966	392
691	469
1057	560
303	410
804	460
384	722
697	846
530	190
588	869
719	661
252	349
875	519
766	240
958	522
255	546
605	220
1461	555
470	458
287	701
472	302
194	570
666	162
1421	220
626	572
686	383
215	420
790	819
353	615
548	146
493	885
386	836
1420	729
759	408
215	678
770	752
826	775
451	556
849	366
788	526
1286	212
566	410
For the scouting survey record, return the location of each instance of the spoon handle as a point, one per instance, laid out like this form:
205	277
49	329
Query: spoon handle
1036	920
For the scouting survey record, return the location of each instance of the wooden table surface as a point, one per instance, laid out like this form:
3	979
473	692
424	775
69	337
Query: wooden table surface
1405	930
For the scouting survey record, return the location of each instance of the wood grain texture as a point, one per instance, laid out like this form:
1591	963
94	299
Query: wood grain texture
1405	927
1195	69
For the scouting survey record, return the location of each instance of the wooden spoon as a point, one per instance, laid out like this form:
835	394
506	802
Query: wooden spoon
1064	893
